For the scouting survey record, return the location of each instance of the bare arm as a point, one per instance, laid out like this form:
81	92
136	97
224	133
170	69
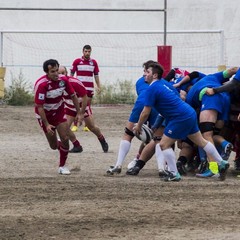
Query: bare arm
142	119
80	115
50	128
97	80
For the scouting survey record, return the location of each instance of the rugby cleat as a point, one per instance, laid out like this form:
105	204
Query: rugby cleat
172	177
74	128
207	174
114	170
64	171
76	149
223	167
104	145
133	171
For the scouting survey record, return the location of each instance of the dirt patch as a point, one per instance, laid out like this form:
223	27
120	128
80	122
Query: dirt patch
37	203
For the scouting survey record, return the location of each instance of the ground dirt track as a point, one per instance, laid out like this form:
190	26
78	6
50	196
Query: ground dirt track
37	203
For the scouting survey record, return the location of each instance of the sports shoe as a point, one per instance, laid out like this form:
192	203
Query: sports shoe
181	168
171	177
104	145
64	171
74	128
227	151
76	149
114	170
203	166
86	129
207	174
237	164
132	163
133	171
162	173
223	167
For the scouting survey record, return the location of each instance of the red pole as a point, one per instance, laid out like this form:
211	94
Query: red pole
165	58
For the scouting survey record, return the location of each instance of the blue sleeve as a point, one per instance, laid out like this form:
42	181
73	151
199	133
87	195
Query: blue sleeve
237	75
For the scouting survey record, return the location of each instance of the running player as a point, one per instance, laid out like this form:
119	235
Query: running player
88	117
125	143
49	109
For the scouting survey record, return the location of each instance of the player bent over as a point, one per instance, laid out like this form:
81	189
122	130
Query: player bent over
49	109
181	122
125	143
70	110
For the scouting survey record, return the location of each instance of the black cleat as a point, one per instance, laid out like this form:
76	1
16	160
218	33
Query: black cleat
76	149
104	145
133	171
181	168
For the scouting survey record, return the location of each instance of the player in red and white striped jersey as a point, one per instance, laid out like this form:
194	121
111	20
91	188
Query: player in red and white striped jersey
49	109
71	113
87	71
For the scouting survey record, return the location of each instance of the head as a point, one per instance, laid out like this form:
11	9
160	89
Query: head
146	65
50	67
62	70
154	72
87	51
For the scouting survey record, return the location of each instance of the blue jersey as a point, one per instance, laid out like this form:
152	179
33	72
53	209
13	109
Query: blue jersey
185	86
180	118
162	96
237	75
141	87
211	80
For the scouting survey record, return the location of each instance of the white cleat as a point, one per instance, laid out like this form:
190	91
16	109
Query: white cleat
64	171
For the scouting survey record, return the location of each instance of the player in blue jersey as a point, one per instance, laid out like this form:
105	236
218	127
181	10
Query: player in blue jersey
233	87
125	143
181	122
185	83
214	111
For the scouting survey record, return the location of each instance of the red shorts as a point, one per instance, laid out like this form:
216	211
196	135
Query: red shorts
72	113
55	120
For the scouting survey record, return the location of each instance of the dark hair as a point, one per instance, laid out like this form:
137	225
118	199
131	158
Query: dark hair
51	62
146	64
87	47
156	68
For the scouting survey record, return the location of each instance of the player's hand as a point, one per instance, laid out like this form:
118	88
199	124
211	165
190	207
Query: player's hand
98	90
50	129
209	91
137	130
79	119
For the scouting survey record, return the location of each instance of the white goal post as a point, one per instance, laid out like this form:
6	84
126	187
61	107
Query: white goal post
120	54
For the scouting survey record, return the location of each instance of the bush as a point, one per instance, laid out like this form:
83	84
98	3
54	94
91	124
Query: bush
122	92
18	94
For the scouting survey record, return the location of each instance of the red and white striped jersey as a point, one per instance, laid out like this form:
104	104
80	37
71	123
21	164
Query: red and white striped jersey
85	70
50	94
80	91
180	73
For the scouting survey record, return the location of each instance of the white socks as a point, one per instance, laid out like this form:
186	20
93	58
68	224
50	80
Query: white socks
122	152
211	150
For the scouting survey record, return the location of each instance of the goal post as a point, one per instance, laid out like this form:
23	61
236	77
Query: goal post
120	54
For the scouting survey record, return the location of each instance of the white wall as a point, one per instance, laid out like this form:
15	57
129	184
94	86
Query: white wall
181	15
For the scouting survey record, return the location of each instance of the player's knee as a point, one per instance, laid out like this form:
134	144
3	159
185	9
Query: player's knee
206	127
157	138
129	132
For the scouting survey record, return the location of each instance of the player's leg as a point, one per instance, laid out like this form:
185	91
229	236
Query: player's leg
165	153
90	123
212	153
63	132
146	154
72	137
124	148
